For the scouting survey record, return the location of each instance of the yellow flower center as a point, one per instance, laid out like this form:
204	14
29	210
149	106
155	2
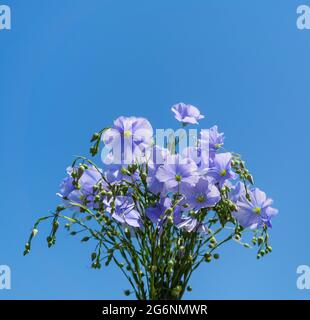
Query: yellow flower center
178	178
223	173
127	133
257	210
201	198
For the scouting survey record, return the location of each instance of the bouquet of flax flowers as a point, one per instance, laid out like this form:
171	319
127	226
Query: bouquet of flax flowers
162	204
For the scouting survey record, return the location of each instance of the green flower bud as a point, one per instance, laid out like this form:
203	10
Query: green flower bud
81	170
208	257
250	179
60	208
189	289
260	240
237	237
213	240
143	176
93	150
94	137
170	220
175	292
216	256
127	293
124	171
93	256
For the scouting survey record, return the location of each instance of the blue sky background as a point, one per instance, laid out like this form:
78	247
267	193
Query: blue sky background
69	67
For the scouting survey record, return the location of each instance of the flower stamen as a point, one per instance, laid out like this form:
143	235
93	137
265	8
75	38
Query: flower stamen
127	133
201	198
178	178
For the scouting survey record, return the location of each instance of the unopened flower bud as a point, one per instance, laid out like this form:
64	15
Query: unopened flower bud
260	240
237	237
127	293
60	208
143	176
94	137
176	291
124	171
170	220
93	150
208	257
213	240
250	179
